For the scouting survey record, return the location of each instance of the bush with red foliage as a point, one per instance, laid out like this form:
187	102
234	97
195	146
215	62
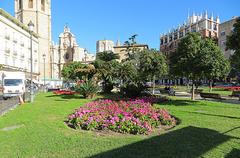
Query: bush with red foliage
64	92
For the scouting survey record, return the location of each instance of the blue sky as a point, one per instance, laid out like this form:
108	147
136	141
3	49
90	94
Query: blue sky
92	20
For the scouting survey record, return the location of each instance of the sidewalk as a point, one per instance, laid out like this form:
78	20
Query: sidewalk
231	100
6	105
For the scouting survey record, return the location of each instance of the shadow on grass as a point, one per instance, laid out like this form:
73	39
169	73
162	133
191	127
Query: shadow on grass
112	96
235	153
224	116
66	96
190	142
179	102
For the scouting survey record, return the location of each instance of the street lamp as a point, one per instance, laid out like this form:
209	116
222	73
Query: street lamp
85	54
31	28
44	80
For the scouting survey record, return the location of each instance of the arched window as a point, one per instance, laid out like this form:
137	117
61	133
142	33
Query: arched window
43	5
20	4
30	4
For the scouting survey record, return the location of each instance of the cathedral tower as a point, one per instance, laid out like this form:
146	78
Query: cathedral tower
39	12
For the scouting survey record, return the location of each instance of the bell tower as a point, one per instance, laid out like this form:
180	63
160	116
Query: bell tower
39	12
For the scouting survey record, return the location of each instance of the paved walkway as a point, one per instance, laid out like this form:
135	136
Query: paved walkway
232	100
6	105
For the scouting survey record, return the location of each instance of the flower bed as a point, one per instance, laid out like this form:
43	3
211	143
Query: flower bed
64	92
134	117
229	88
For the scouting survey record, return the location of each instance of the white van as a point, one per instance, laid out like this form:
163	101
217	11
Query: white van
13	84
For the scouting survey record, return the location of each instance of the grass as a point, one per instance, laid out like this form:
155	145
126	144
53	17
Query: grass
218	91
207	129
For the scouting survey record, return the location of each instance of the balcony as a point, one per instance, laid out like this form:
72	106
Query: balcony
15	53
15	40
7	50
7	37
22	55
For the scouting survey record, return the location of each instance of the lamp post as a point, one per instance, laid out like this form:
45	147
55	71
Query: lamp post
85	55
44	79
31	27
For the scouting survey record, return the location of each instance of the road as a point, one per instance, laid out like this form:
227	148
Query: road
6	105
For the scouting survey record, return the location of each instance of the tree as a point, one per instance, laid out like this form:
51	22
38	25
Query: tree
145	66
106	67
214	64
131	50
152	65
107	56
233	43
76	70
197	58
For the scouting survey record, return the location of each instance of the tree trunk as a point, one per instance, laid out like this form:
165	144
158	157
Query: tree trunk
187	84
192	96
210	86
153	90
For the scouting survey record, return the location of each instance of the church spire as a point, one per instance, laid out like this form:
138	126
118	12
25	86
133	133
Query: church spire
66	28
118	43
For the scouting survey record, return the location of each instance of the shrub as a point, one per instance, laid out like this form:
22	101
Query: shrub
134	117
88	89
64	92
131	90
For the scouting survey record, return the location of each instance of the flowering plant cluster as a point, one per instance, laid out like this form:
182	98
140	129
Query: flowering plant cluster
229	88
134	116
64	92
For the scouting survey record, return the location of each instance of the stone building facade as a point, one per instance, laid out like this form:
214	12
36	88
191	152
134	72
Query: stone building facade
104	45
205	25
225	29
39	12
15	41
121	50
67	50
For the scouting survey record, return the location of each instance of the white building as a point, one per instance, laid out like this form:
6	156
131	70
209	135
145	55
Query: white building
104	45
39	12
15	41
204	24
225	29
67	51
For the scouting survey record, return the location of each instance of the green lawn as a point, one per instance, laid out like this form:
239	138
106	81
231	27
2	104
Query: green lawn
207	129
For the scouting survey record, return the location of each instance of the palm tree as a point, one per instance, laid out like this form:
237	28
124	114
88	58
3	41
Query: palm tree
106	65
107	56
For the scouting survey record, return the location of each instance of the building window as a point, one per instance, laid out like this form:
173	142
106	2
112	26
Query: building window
166	40
175	35
223	33
194	29
22	63
35	67
14	62
30	4
6	60
210	34
215	27
161	41
170	38
67	56
43	5
20	5
209	25
181	34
